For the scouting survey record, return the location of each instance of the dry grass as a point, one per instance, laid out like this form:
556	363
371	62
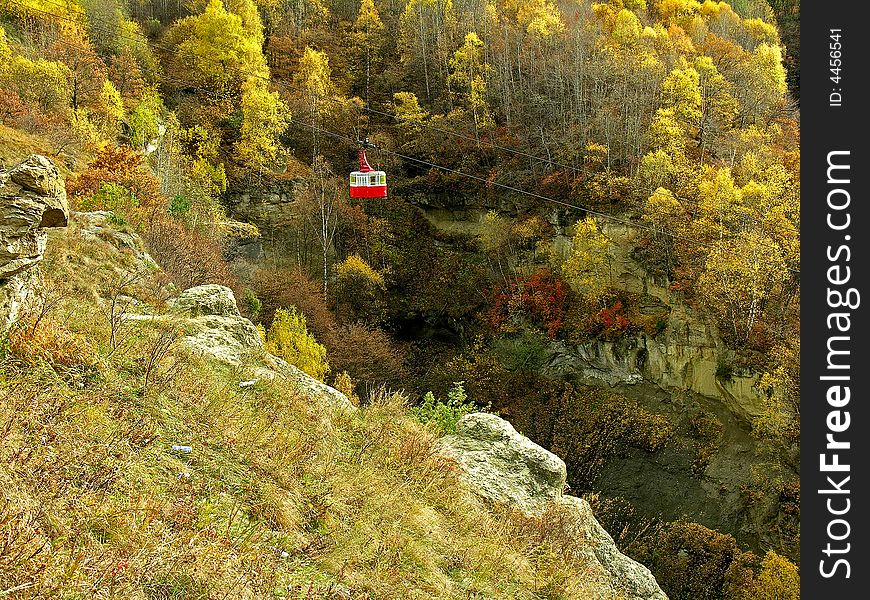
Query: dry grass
16	145
278	499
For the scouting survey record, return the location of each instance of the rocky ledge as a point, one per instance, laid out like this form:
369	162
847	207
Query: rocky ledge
506	467
217	329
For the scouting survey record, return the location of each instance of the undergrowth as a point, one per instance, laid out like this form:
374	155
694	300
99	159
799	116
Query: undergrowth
277	497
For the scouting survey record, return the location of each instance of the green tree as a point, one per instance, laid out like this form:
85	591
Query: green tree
144	120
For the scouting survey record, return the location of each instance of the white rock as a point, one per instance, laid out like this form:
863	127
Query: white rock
502	465
506	467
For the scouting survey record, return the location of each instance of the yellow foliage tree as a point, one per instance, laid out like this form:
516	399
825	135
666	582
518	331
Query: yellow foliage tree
585	269
219	48
765	84
626	28
357	269
112	108
408	110
358	288
664	211
681	93
721	211
740	274
265	117
40	83
539	17
468	79
288	338
314	79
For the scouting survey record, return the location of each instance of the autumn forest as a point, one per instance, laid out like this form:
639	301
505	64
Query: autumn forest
592	229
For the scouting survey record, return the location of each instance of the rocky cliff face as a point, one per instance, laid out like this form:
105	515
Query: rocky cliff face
685	355
267	208
32	199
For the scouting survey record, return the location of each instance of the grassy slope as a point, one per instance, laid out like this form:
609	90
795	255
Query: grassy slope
16	145
281	500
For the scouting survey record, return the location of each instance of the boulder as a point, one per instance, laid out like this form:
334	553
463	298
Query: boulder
32	198
326	395
504	466
204	300
98	225
217	329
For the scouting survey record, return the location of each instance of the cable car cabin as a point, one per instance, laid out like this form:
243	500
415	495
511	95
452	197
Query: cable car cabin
367	183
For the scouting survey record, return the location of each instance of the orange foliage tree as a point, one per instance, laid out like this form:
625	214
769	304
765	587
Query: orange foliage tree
122	166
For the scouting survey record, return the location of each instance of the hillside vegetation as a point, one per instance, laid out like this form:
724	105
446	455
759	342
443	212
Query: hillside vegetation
277	498
563	175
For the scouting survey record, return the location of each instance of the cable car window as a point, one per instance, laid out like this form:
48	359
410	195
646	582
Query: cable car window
383	179
373	180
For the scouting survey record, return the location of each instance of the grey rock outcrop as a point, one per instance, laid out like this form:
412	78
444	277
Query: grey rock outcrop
270	208
217	329
32	199
504	466
627	577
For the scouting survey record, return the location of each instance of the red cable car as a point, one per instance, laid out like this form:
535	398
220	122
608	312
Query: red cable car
367	183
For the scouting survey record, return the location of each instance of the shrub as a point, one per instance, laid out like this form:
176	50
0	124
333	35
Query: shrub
589	426
113	197
690	561
46	340
251	303
444	415
541	299
288	338
778	580
358	288
612	321
344	384
11	107
368	355
190	257
524	353
280	288
179	206
707	430
124	167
